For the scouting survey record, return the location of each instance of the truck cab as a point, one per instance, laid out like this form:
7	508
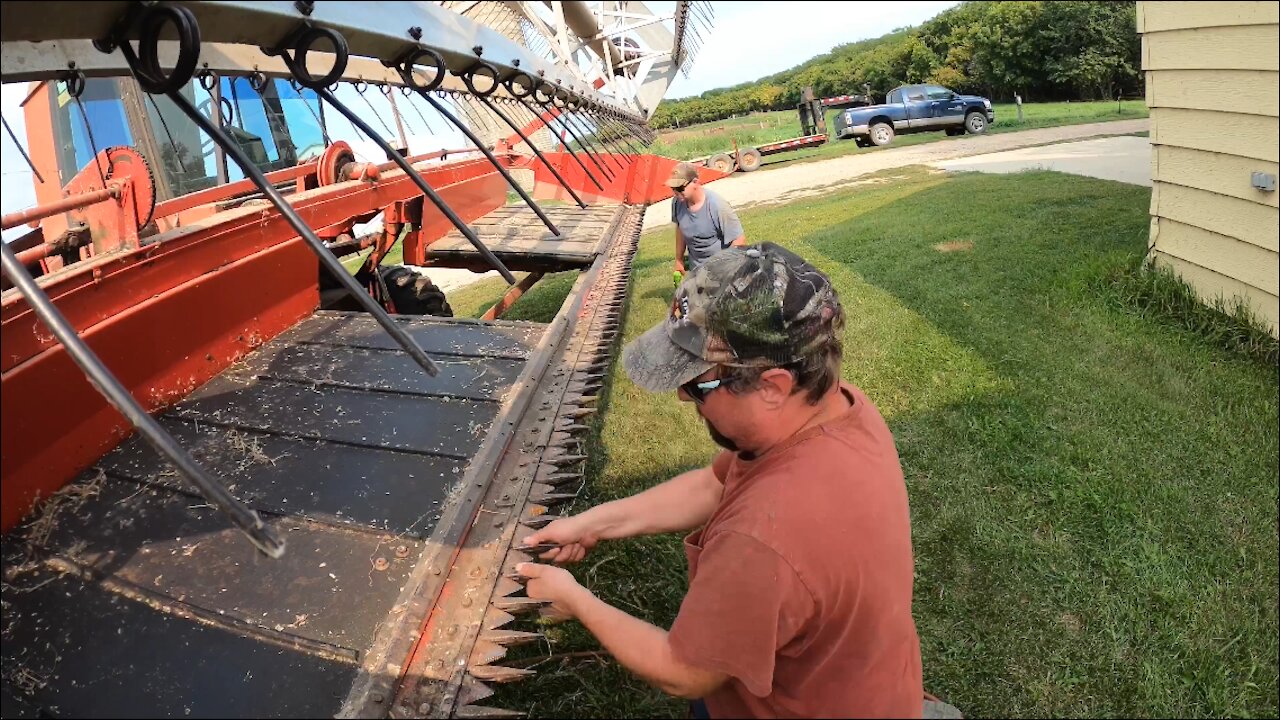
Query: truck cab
915	108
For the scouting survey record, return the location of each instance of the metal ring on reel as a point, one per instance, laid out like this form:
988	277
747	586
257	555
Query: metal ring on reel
482	69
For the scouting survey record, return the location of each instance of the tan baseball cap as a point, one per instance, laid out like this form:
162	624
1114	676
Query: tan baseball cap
682	174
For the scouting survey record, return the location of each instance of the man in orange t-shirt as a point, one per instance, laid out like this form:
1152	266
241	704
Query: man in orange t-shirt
800	576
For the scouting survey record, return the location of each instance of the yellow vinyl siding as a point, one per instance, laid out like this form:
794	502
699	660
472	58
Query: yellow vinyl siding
1214	172
1213	87
1251	136
1246	262
1154	17
1246	92
1241	47
1211	285
1232	217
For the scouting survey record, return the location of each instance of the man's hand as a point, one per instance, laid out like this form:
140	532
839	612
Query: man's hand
680	265
569	533
555	584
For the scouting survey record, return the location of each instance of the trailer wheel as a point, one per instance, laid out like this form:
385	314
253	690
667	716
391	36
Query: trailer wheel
749	160
722	162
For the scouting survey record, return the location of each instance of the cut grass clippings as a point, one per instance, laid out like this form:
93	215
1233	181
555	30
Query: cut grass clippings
1093	489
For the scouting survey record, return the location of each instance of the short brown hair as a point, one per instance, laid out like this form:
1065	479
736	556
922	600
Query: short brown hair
815	372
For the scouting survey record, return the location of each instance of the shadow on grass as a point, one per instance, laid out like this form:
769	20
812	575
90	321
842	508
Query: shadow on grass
1093	492
1084	510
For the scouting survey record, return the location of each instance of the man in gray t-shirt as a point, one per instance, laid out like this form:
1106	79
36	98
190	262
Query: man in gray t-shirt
705	224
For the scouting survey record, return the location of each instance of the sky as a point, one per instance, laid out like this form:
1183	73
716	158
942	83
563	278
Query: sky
748	40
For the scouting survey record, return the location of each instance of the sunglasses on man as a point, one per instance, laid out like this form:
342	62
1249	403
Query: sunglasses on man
700	390
680	188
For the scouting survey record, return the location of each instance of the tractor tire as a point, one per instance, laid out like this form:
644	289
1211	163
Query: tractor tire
413	292
721	162
975	123
882	134
749	160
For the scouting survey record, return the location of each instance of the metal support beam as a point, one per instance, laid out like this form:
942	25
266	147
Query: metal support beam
512	295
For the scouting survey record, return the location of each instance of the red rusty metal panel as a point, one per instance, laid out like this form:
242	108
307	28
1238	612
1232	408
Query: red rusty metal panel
641	180
168	316
56	424
96	290
471	198
37	115
181	205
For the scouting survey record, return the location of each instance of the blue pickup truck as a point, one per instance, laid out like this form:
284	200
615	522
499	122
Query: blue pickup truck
912	109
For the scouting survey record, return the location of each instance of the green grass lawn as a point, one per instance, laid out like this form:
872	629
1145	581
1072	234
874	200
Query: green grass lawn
1093	491
757	129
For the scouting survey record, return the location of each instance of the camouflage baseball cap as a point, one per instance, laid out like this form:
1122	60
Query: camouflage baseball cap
761	306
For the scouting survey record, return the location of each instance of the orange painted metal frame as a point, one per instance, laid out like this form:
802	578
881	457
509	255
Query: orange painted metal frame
168	316
642	180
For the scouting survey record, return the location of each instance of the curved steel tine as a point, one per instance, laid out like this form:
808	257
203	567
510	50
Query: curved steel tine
427	190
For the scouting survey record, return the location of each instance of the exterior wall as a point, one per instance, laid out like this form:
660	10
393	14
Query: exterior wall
1213	88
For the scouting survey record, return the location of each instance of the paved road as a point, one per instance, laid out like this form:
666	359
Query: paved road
1126	159
800	180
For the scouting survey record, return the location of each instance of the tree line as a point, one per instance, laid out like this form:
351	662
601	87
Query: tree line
1056	50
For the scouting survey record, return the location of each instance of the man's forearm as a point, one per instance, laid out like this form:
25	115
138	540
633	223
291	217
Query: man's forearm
642	648
681	503
679	245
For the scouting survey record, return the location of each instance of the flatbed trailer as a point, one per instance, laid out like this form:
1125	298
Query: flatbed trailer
812	121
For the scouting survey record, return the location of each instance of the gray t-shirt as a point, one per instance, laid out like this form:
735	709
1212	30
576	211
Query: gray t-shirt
709	230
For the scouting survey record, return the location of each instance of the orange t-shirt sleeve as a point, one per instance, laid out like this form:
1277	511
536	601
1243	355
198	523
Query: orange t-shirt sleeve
720	466
743	605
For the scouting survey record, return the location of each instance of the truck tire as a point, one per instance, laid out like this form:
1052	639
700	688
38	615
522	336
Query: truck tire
749	160
882	134
723	162
413	292
975	123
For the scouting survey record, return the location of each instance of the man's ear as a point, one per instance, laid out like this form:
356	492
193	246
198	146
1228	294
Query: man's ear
776	385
